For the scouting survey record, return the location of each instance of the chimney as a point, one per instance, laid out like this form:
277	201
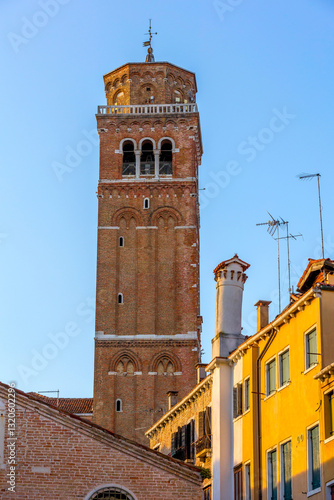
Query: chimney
201	373
262	313
172	398
230	277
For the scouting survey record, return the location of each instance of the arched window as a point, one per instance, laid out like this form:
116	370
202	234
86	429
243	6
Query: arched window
121	241
120	298
111	493
147	159
119	406
129	159
119	98
166	158
146	203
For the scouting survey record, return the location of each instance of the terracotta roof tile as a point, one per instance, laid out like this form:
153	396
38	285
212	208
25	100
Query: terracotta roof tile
72	405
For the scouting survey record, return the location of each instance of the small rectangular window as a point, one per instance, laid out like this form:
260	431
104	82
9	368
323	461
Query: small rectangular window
247	395
286	475
311	356
313	458
271	377
284	368
247	482
272	474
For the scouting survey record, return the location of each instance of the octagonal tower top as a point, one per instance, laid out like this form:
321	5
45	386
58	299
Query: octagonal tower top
153	83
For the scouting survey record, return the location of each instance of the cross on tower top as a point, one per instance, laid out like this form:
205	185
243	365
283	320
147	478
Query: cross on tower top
150	56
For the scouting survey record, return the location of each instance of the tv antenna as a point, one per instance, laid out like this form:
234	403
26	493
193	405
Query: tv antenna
272	228
288	237
48	392
308	177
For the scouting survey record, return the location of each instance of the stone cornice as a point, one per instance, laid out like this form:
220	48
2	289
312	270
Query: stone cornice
281	319
203	386
326	372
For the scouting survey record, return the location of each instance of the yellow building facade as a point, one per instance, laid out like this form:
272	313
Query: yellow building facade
271	399
283	398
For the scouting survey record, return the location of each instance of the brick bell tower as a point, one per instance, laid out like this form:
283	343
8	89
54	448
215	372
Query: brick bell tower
148	320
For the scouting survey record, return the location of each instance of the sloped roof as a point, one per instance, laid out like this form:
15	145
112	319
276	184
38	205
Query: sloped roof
72	405
236	259
314	273
191	472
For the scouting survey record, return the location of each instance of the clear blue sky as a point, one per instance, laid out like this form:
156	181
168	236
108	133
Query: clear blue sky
265	80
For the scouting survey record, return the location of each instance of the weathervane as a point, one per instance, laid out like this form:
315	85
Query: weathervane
150	56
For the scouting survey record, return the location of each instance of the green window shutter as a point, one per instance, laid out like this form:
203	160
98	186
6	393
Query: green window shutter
331	413
287	485
315	457
272	474
271	376
235	402
183	436
246	404
201	424
274	469
313	347
239	399
285	367
208	421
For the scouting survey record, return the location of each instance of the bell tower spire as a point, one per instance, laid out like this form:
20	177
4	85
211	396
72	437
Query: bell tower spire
150	56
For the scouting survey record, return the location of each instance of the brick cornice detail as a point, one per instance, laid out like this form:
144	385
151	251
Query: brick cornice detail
145	343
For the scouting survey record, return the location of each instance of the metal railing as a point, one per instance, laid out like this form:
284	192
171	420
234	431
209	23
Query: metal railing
147	167
165	168
148	109
129	168
203	443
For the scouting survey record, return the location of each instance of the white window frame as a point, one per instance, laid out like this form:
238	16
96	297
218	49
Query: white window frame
122	298
148	203
274	448
282	443
268	395
316	490
307	369
280	372
328	485
121	239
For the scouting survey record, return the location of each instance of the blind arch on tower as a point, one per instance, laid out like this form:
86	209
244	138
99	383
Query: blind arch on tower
125	362
166	213
127	213
165	363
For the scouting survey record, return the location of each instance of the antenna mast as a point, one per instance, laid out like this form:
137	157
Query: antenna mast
273	226
308	177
